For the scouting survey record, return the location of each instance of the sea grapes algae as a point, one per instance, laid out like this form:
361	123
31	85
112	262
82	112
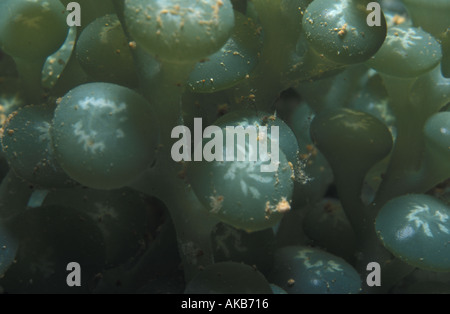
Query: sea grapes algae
299	269
175	30
102	50
104	135
417	230
40	25
339	31
225	146
250	199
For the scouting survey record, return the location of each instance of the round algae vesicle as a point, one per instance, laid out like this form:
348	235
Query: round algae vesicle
339	31
103	52
179	30
249	187
27	145
104	135
416	229
32	29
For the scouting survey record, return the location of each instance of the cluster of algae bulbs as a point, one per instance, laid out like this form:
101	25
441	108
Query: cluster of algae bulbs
87	115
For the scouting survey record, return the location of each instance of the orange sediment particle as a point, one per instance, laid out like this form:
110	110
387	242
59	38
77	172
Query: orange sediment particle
343	30
304	156
267	210
291	165
398	19
311	150
283	206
